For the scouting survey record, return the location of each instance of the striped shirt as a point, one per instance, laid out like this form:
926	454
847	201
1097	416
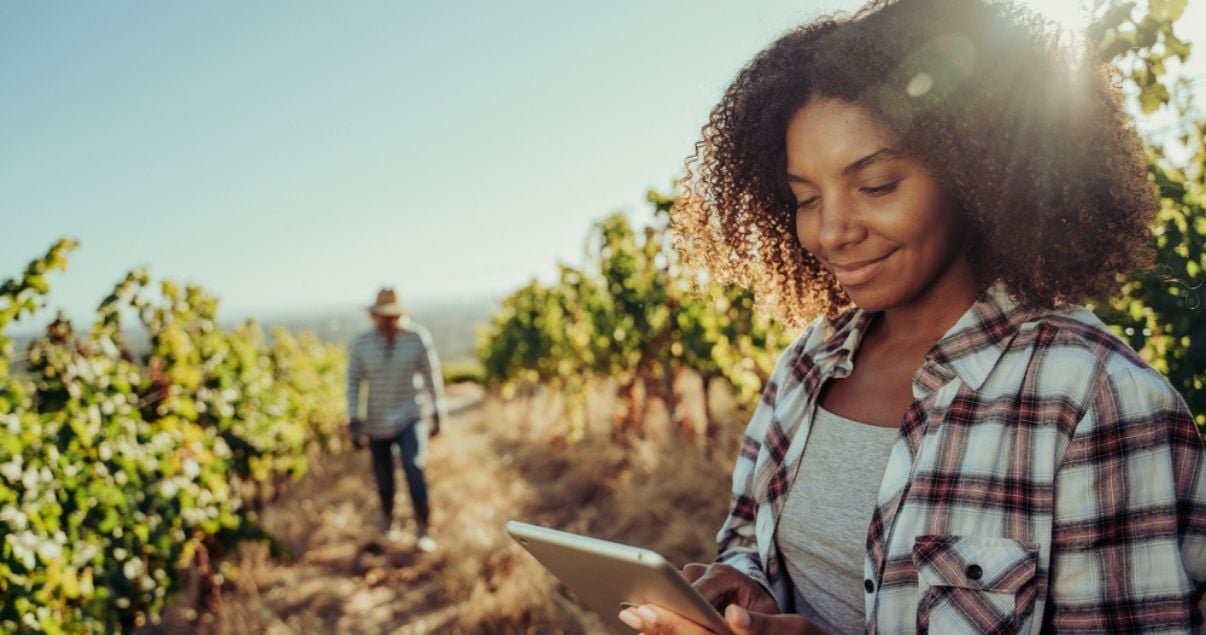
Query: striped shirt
401	379
1044	478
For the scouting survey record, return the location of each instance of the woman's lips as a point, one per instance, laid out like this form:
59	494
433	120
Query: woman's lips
859	272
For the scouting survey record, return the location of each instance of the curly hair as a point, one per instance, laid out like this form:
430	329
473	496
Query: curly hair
1029	137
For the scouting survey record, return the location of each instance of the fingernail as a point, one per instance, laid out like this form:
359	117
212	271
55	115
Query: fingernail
738	616
629	617
647	614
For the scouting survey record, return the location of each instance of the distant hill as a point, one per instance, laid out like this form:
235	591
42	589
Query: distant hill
453	325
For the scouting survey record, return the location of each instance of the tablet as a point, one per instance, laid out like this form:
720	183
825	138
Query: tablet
607	576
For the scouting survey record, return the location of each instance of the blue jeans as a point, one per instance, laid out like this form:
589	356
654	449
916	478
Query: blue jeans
411	446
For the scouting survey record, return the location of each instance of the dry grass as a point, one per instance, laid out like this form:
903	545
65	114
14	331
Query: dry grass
495	462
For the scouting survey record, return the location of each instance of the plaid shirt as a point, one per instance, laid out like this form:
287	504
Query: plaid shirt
1045	479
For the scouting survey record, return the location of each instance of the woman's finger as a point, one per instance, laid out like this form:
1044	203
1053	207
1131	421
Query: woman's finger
744	622
718	584
651	619
694	571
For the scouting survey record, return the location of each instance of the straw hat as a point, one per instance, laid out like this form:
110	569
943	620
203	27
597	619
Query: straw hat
387	304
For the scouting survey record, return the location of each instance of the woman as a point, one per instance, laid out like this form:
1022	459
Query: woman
953	446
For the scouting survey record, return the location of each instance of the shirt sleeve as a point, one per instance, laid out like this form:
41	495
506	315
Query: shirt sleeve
433	378
1129	535
355	377
737	540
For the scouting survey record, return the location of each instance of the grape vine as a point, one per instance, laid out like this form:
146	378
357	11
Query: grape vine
118	469
631	316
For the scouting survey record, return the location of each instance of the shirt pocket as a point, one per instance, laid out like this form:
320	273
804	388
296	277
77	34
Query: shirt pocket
974	584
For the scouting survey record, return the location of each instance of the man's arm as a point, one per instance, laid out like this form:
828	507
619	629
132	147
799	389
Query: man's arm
433	379
355	377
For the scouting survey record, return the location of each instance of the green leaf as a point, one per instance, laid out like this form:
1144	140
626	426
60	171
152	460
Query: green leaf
1167	10
38	283
1177	47
1152	97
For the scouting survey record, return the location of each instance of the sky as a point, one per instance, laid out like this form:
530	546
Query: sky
295	156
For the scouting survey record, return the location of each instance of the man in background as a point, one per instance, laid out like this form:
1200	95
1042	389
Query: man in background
399	365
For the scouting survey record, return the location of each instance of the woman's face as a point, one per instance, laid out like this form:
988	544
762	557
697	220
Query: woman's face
891	235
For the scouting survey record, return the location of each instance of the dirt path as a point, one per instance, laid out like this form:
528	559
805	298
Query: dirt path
484	469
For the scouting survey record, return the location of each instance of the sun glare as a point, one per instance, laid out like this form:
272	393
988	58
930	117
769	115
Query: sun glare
1071	16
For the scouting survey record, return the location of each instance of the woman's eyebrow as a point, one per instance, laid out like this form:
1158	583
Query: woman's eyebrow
883	154
792	178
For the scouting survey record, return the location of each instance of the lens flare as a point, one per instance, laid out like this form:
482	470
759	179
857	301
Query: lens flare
920	84
1072	16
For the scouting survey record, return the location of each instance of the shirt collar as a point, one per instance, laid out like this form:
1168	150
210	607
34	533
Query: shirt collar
969	350
974	345
403	325
844	335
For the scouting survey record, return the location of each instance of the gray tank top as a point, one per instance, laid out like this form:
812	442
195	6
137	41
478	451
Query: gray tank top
822	533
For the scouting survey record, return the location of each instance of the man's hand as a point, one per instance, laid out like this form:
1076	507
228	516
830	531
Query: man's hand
356	431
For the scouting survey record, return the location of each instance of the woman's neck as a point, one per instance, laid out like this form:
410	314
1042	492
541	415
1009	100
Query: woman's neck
923	321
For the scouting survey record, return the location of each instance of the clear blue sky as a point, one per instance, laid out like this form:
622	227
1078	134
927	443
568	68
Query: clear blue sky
295	155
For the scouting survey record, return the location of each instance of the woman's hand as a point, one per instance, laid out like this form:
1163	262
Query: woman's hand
722	585
651	619
750	608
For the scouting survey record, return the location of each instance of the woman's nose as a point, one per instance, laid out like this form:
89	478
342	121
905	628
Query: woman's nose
839	225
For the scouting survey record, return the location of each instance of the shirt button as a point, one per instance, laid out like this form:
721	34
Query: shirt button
869	586
974	571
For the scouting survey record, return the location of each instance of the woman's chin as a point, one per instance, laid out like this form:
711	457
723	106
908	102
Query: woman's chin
870	299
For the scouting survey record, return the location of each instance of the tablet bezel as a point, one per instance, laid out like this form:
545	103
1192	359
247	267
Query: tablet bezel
605	575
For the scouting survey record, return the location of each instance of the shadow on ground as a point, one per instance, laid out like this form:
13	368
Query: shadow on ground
494	462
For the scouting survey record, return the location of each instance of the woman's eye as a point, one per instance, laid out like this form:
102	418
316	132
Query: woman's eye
808	203
880	190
